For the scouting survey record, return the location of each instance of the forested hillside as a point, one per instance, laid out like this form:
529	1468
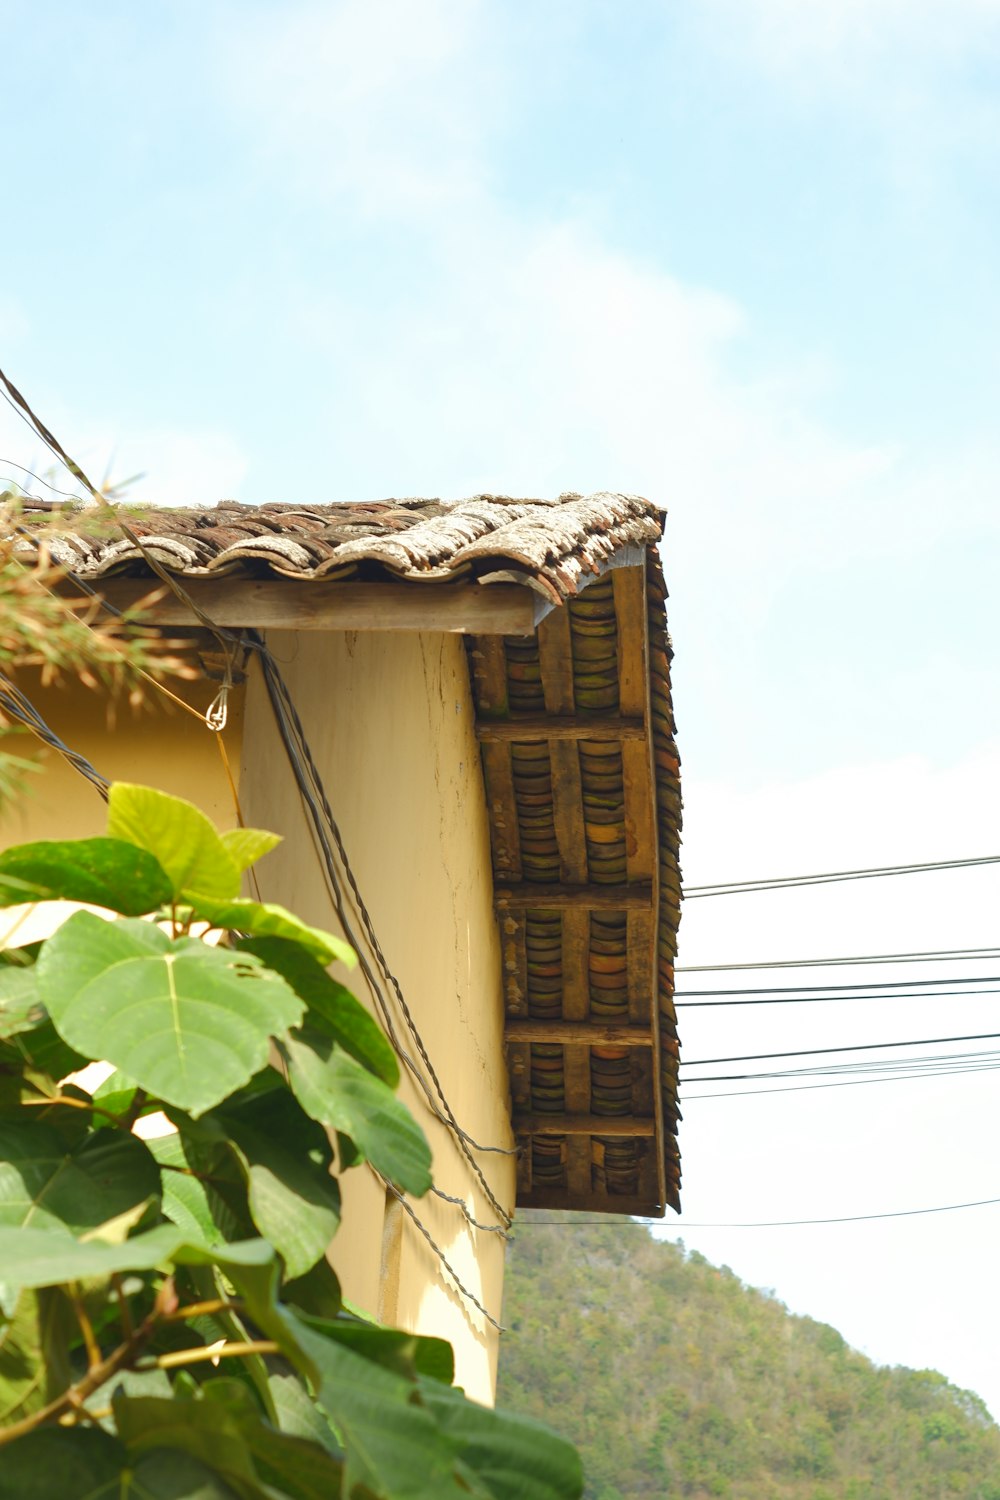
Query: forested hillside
676	1380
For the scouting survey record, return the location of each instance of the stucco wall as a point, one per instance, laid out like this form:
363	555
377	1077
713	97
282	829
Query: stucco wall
159	745
389	720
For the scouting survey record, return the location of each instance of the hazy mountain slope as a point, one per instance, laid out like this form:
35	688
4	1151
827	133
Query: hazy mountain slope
676	1380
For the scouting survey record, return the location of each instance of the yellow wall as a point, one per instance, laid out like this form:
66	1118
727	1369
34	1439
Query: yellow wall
159	744
389	720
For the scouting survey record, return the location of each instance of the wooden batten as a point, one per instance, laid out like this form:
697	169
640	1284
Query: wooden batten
637	1205
593	1125
569	1033
562	727
637	897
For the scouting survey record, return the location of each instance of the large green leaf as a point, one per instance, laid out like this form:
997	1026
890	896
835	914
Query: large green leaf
392	1444
294	1201
267	919
512	1457
332	1008
248	845
203	1431
225	1430
107	872
76	1463
303	1469
178	835
32	1257
56	1463
45	1182
34	1353
189	1022
344	1096
204	1191
409	1354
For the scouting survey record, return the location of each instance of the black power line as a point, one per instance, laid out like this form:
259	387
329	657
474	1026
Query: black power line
967	955
902	1213
832	877
931	1041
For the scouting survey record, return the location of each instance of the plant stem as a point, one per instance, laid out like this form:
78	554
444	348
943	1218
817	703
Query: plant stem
86	1328
213	1353
74	1398
204	1309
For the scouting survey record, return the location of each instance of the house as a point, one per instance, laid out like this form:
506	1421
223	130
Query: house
458	716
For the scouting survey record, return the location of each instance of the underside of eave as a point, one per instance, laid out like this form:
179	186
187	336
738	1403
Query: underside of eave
582	786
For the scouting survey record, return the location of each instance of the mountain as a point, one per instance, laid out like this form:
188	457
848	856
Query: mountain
678	1382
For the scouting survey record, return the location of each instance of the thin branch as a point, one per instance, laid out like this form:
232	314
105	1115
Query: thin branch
210	1352
86	1328
204	1309
124	1311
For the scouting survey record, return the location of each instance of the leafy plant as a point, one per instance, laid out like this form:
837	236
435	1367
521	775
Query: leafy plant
170	1328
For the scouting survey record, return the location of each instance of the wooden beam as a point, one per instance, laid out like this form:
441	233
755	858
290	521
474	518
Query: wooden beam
561	727
636	897
578	1034
602	1125
322	604
589	1203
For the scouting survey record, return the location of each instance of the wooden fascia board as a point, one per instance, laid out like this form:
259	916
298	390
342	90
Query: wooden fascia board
317	604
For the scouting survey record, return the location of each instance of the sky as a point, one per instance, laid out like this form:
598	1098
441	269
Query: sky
735	255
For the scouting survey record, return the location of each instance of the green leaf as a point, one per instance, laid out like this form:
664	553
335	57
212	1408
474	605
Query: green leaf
512	1457
224	1428
199	1429
204	1191
42	1050
247	845
42	1183
409	1354
294	1201
34	1353
332	1008
266	919
344	1096
20	1005
56	1462
107	872
189	1022
33	1257
179	835
317	1293
392	1444
297	1413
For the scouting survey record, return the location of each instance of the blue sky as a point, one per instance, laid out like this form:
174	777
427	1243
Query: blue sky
737	255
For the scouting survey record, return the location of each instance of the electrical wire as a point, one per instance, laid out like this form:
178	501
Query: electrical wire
810	993
790	882
931	1041
841	1083
968	955
67	494
17	706
902	1213
311	787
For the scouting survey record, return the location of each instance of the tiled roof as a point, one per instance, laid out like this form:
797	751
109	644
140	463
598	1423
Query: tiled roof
552	545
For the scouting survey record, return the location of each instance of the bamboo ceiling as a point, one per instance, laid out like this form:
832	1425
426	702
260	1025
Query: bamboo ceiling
582	784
